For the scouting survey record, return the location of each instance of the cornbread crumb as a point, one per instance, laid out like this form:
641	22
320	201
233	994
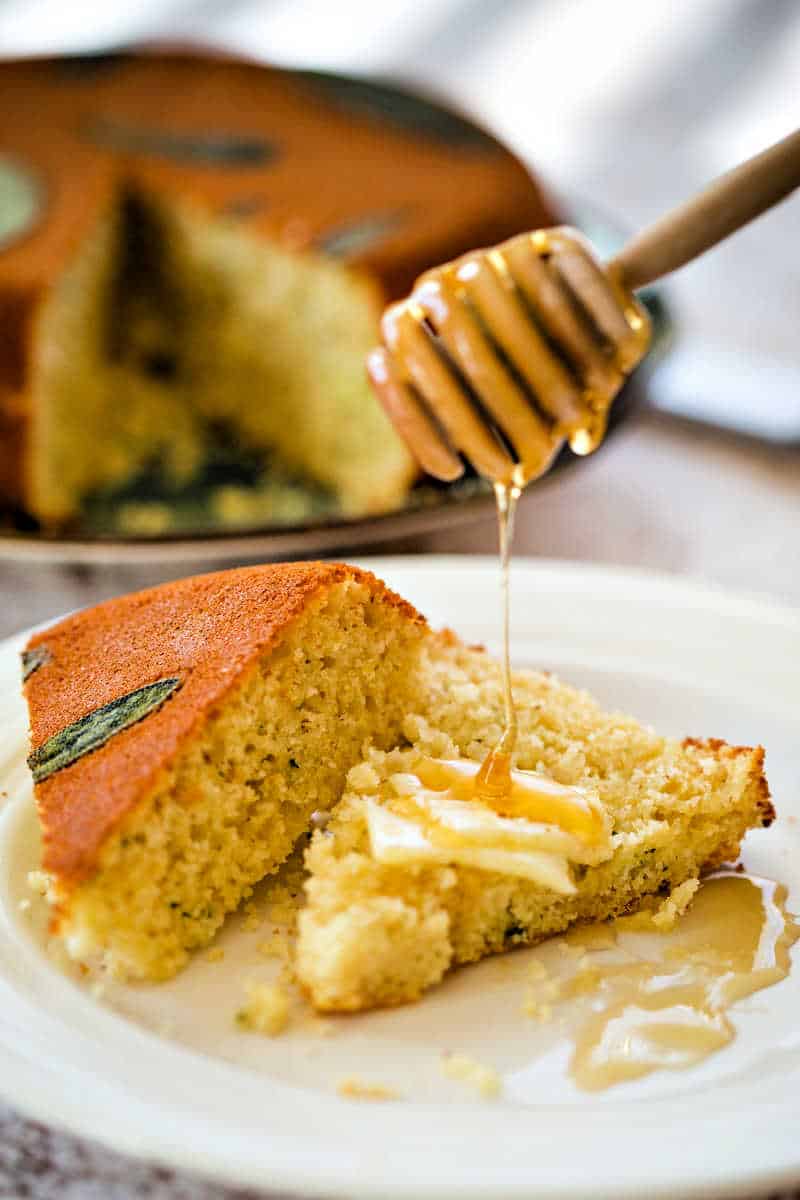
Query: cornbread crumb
467	1070
284	902
355	1089
363	778
536	1009
266	1010
253	922
540	997
39	882
661	917
277	946
215	954
675	904
537	970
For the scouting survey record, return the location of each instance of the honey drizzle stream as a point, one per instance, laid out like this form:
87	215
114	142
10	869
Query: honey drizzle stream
494	777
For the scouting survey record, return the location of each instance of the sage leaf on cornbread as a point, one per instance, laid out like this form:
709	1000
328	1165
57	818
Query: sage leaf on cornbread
357	237
97	727
213	147
33	659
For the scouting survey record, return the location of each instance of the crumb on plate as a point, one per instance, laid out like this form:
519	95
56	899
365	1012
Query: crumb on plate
675	904
39	882
266	1009
467	1070
356	1089
276	946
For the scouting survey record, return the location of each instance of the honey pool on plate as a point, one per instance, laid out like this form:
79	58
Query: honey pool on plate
662	1000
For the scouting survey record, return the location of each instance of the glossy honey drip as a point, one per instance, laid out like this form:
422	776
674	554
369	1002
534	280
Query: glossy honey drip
662	1001
494	777
526	796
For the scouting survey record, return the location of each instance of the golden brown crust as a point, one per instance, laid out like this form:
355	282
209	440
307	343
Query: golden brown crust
159	122
764	802
759	793
758	780
207	631
448	637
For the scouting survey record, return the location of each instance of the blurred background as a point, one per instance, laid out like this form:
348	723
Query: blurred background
629	107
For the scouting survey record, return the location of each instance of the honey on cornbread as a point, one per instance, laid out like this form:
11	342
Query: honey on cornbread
388	913
196	248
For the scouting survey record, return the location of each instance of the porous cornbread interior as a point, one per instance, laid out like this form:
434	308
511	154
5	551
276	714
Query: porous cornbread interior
276	351
105	406
373	934
227	810
172	329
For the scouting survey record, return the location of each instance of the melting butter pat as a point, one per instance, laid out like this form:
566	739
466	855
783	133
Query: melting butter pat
529	796
424	824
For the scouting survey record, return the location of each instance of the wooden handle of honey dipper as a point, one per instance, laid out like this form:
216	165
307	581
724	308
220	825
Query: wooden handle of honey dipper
723	207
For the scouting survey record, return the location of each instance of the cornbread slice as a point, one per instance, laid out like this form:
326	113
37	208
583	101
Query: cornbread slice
375	934
183	736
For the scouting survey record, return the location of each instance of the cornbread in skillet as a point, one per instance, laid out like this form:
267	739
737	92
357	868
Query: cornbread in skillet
273	680
379	933
199	254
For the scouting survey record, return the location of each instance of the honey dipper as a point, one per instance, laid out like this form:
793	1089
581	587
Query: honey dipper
502	354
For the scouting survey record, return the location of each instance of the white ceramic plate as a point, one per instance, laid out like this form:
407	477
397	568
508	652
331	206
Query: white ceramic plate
162	1071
